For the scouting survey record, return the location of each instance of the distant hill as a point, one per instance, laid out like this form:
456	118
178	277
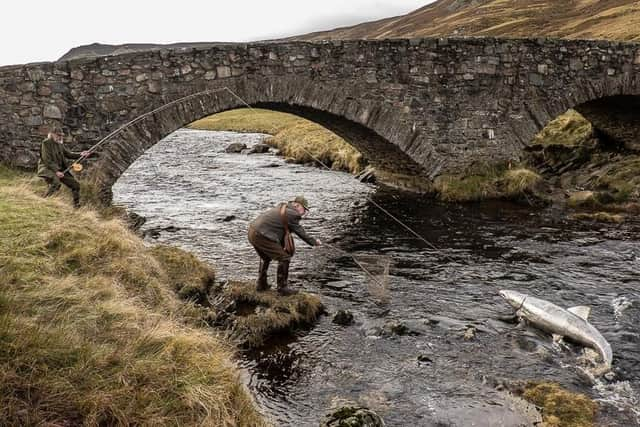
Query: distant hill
584	19
98	49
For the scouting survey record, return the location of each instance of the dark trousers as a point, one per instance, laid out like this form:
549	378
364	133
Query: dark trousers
69	181
269	250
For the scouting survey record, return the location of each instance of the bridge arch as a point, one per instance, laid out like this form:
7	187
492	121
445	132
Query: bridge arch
362	124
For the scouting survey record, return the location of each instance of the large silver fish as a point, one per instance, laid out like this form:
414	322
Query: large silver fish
571	323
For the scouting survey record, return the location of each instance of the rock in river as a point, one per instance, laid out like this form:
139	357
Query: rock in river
352	416
236	147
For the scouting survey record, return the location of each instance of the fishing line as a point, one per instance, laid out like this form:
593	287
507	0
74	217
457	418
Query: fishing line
369	199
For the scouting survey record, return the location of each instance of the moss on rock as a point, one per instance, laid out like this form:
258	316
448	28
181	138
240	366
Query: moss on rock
560	407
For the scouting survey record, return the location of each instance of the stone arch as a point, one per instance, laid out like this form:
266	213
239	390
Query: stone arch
610	104
378	131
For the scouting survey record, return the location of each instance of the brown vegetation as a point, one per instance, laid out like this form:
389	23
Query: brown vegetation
298	139
91	331
572	19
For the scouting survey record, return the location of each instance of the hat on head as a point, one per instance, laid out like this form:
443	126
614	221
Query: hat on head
302	201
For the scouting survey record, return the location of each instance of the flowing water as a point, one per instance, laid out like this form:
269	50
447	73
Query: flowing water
431	375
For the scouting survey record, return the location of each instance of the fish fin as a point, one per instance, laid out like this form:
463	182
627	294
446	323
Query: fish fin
557	338
581	311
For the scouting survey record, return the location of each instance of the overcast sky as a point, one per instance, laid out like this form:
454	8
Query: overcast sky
44	30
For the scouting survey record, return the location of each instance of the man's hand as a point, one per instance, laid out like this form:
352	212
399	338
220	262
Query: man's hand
59	174
85	154
318	242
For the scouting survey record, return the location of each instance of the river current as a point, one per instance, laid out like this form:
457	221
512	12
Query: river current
430	375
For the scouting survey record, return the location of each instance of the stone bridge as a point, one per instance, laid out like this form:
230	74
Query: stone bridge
415	108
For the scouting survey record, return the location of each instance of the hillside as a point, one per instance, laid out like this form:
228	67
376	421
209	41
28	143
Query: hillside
572	19
99	49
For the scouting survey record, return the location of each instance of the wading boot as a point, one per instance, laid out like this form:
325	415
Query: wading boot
283	279
261	283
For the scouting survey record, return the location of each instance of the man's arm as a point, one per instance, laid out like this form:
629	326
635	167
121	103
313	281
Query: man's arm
71	154
294	225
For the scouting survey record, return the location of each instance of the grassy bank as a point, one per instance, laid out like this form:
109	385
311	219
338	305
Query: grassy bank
92	331
298	139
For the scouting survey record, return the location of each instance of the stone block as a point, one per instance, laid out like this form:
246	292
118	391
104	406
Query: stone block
223	71
52	112
210	75
154	87
44	91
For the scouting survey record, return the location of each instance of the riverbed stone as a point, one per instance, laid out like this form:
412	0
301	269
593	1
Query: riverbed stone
259	149
343	317
352	416
235	147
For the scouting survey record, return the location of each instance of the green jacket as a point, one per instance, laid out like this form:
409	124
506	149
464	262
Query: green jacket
53	158
269	224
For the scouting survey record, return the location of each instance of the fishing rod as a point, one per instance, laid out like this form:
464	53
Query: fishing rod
77	166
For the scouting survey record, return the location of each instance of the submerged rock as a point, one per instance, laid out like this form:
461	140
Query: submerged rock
352	416
259	149
343	317
236	147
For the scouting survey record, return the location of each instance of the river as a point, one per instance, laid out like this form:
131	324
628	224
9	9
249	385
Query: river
438	293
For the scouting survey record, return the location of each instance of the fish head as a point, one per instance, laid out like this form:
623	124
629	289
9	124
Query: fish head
515	298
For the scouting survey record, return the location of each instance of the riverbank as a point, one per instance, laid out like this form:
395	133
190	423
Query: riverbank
92	329
298	139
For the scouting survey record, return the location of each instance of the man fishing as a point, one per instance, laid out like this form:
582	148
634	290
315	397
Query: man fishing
270	235
53	163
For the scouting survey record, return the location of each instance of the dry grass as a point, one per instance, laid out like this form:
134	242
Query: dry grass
570	129
295	137
264	314
585	19
91	331
561	408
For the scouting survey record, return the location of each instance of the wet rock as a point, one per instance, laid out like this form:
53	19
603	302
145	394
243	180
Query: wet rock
423	358
398	328
228	218
367	175
236	147
135	221
469	334
352	416
271	165
154	232
343	317
259	149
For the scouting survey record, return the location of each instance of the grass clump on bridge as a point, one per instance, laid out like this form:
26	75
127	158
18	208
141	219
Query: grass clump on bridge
296	138
91	330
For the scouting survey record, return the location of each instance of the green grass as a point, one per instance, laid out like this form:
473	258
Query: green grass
296	138
91	330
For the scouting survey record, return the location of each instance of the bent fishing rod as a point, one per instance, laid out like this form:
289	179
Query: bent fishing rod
77	166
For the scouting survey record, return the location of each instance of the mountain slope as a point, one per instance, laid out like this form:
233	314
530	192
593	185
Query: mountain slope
584	19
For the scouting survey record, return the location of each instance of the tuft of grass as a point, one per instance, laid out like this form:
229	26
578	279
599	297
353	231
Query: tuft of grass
492	182
91	331
298	139
260	315
191	278
599	217
560	407
570	129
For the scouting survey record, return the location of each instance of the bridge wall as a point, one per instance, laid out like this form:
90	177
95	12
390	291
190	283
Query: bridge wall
423	107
